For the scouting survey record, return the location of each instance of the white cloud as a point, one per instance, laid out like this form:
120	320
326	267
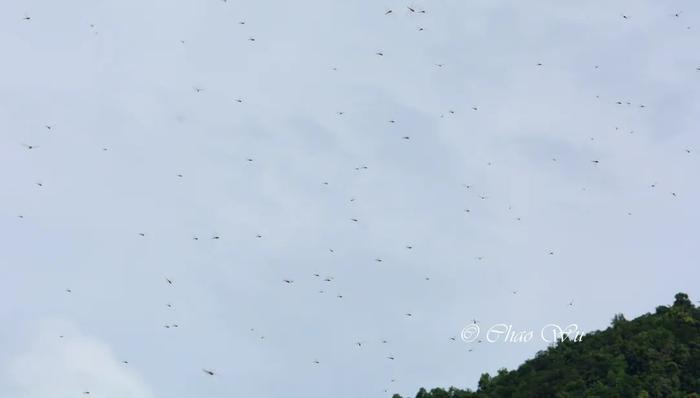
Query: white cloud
66	367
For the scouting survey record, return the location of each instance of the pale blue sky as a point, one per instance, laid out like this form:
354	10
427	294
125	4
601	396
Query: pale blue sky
127	84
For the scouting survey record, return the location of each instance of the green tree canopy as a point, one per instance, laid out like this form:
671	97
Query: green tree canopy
654	355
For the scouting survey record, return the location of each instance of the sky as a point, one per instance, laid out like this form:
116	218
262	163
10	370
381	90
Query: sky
503	162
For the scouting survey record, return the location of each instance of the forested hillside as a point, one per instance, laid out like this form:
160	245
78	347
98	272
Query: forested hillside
654	355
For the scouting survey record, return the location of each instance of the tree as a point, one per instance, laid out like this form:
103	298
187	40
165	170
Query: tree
654	355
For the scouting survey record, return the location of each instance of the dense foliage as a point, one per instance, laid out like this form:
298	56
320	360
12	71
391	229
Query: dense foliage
655	355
